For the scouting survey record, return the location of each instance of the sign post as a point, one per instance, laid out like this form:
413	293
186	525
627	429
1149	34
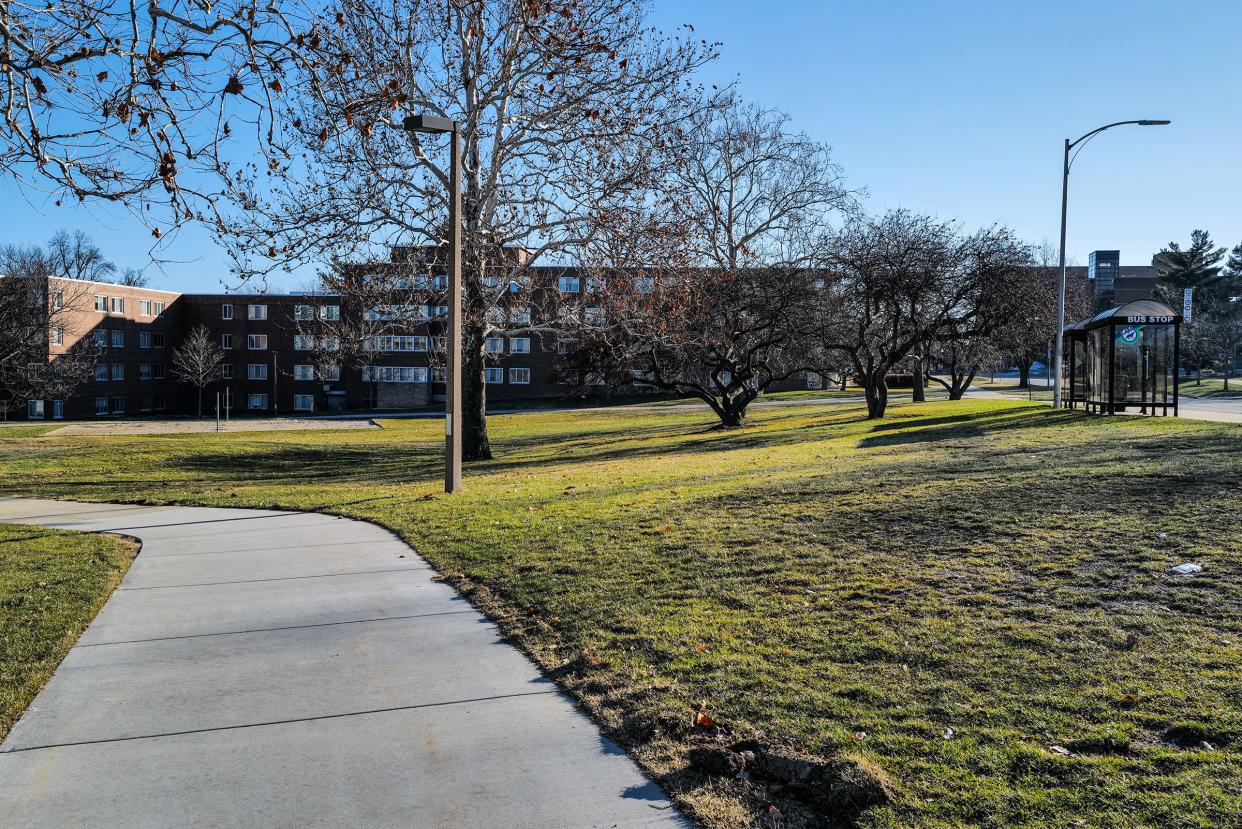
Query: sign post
1188	296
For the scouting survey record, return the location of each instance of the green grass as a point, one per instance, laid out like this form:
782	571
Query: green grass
26	430
1210	387
52	583
989	566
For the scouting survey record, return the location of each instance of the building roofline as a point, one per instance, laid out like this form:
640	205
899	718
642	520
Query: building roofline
115	285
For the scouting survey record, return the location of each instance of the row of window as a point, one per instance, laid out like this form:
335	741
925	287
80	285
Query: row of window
35	410
517	345
115	405
116	305
115	338
116	371
302	313
420	374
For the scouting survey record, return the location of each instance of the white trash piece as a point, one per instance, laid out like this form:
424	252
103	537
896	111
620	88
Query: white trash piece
1186	569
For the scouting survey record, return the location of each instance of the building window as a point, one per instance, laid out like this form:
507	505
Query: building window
256	342
564	346
158	339
519	345
226	342
519	375
226	371
398	344
118	405
118	305
439	312
157	307
118	371
395	374
101	304
441	283
58	335
144	339
226	310
302	342
34	410
303	372
330	313
567	284
303	402
494	345
495	315
519	316
101	337
595	316
58	302
645	284
437	375
330	343
101	405
258	312
439	343
595	285
256	371
101	371
118	339
495	375
303	313
144	371
157	371
331	373
158	403
58	410
145	402
256	402
144	307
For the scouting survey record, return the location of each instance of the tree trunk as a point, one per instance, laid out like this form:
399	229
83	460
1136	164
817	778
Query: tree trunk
1024	373
918	395
474	443
200	401
875	387
845	380
1199	376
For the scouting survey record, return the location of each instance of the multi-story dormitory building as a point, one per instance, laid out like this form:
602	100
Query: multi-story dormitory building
272	344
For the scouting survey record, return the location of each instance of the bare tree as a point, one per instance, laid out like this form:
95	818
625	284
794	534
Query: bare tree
198	361
554	101
730	229
905	279
961	358
134	278
129	102
75	256
44	353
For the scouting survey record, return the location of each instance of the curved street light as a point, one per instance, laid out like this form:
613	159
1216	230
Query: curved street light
1080	142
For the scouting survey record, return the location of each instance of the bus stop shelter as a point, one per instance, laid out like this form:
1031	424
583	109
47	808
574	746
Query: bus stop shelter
1124	359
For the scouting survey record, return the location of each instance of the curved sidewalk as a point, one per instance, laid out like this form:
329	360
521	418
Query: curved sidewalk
262	668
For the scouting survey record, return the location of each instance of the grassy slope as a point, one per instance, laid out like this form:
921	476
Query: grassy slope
986	566
52	583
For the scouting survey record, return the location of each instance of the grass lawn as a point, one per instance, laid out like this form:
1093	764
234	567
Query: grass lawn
973	595
52	583
1210	387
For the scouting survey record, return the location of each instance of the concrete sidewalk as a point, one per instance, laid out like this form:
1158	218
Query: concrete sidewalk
260	668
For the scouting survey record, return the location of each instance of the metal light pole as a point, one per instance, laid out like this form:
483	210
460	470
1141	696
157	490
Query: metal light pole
452	374
1069	145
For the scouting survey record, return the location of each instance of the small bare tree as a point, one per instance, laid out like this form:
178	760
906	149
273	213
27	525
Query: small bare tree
198	361
43	351
904	280
728	235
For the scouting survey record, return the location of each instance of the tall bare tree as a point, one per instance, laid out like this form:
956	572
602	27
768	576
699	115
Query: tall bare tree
557	104
76	256
140	102
198	361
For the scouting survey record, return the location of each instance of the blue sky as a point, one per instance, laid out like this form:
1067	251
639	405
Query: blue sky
952	108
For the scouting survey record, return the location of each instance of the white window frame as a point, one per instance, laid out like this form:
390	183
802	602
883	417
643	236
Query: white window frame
226	310
259	398
226	371
58	335
58	410
34	410
520	315
519	345
117	372
144	307
226	342
519	376
303	313
101	303
569	285
329	313
101	406
495	375
117	338
256	342
257	312
118	304
144	339
494	345
303	342
256	371
304	402
303	371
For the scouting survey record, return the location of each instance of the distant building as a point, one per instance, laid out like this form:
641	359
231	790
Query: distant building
1115	283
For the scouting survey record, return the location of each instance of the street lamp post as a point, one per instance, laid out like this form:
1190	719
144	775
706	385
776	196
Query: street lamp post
452	374
1070	145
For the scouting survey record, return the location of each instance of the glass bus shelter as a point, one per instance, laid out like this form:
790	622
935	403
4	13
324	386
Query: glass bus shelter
1123	359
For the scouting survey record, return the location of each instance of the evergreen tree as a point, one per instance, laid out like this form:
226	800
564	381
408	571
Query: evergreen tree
1197	265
